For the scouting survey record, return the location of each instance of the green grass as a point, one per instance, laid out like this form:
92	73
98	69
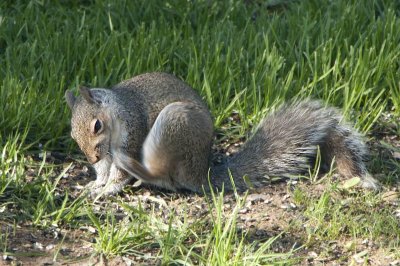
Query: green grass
328	215
242	58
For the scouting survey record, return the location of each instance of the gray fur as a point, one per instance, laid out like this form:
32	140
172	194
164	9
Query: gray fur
157	129
287	141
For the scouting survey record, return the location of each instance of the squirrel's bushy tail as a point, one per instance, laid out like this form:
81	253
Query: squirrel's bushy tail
286	144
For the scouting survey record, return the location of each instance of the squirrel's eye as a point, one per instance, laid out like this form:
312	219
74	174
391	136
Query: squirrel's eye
97	126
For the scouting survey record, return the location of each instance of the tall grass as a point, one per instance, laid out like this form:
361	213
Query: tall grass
343	52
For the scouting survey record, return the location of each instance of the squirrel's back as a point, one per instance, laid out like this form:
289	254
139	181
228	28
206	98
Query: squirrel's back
153	91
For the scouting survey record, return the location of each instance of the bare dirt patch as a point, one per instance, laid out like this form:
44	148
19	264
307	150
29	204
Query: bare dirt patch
266	213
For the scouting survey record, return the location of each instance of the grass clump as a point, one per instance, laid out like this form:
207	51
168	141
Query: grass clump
212	239
341	214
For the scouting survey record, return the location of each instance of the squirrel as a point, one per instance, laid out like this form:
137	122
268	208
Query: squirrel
156	128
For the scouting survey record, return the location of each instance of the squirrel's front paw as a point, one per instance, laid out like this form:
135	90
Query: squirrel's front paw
93	189
93	185
99	191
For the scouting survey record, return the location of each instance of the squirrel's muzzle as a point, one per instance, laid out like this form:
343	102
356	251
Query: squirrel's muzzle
93	159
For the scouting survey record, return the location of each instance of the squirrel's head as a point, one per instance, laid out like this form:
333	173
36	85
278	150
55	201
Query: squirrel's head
90	122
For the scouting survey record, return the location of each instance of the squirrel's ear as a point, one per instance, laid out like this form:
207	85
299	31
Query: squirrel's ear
93	96
70	98
86	94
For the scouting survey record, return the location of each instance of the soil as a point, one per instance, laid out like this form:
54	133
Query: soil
267	212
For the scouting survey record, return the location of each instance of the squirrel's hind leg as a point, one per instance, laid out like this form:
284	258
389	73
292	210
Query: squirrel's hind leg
178	146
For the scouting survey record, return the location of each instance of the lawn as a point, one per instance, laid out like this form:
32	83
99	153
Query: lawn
245	58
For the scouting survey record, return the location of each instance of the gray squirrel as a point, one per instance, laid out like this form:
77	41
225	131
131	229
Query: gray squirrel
156	128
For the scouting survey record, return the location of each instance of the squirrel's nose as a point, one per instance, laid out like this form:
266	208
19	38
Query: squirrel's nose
93	159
